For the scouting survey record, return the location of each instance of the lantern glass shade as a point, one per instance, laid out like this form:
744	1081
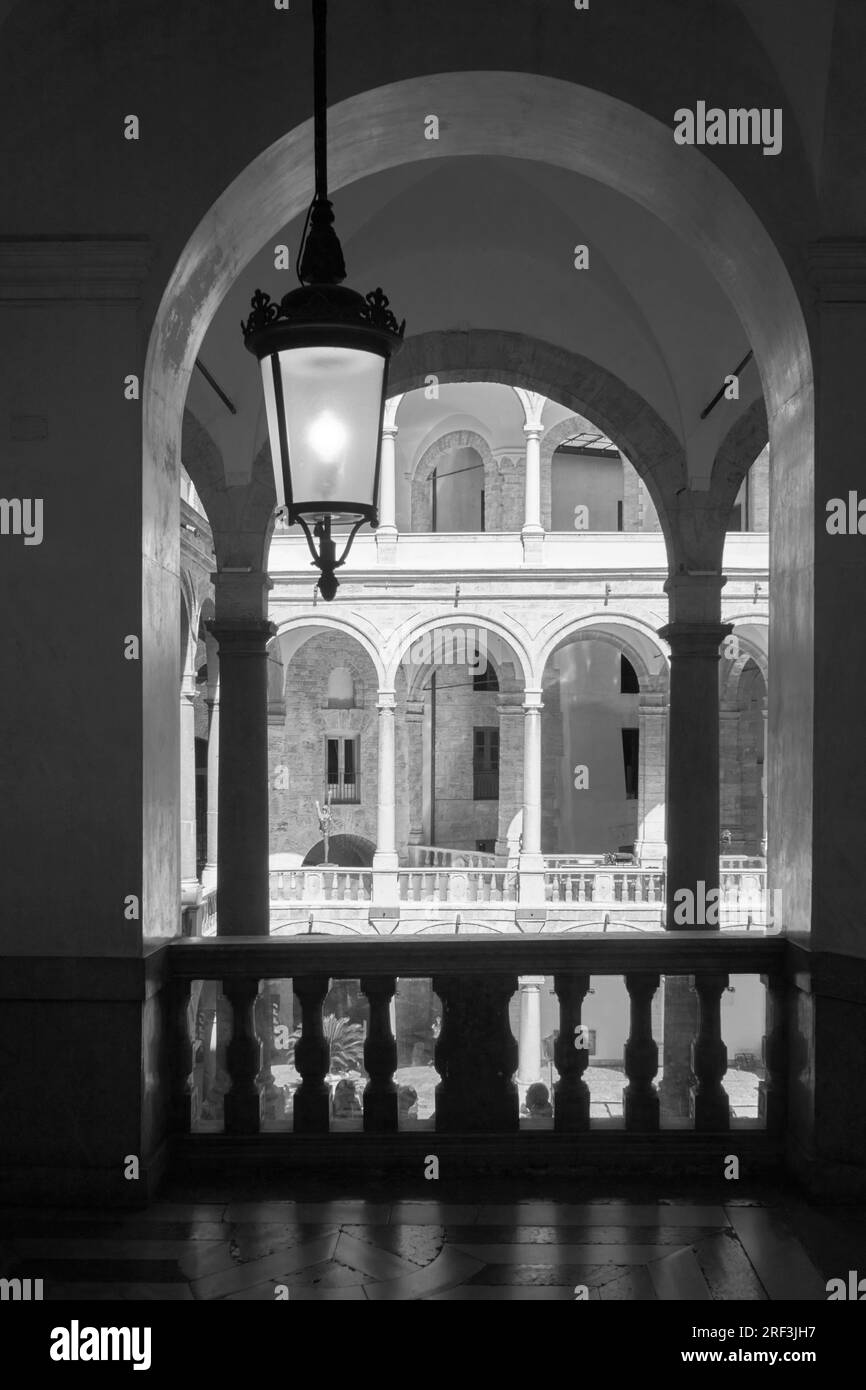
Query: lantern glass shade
324	409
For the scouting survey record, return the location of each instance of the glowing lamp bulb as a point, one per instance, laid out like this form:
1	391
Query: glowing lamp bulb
327	437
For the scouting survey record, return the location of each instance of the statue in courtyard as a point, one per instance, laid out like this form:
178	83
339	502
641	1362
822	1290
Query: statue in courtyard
326	818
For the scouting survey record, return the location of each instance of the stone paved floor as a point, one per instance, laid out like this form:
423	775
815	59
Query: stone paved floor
423	1249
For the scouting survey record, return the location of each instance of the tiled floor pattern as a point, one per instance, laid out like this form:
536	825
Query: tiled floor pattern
427	1250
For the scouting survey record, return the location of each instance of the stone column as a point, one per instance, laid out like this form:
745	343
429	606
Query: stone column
693	741
695	636
190	887
386	534
510	711
533	531
415	769
385	859
764	822
529	1042
209	874
531	861
730	775
651	846
242	799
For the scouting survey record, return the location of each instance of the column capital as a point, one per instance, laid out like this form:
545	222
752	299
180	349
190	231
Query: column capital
695	596
389	414
241	638
414	711
510	702
241	595
652	702
701	640
387	701
532	701
533	407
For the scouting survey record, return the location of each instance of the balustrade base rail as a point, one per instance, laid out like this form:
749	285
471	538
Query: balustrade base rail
594	1157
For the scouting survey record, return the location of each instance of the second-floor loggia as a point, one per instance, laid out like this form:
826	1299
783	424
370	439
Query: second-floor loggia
483	476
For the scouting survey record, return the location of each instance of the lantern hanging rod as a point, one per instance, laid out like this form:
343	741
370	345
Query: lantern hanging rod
320	97
320	259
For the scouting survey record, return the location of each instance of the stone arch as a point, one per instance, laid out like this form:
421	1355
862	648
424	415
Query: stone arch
735	455
570	379
345	851
349	626
189	622
203	461
543	119
752	648
634	639
411	633
421	517
504	674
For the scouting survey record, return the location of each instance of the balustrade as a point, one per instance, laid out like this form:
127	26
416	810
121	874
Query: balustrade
605	885
321	883
465	885
476	1055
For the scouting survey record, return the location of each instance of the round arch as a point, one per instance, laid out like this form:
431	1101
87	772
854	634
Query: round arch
550	442
739	449
751	634
409	634
344	852
345	625
420	510
637	641
548	120
589	389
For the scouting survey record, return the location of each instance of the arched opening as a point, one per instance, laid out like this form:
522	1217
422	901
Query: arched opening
590	750
537	119
348	851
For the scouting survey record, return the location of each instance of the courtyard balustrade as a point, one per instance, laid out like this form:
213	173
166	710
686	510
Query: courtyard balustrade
475	1053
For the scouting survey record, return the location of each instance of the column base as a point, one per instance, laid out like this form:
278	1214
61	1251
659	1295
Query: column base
531	881
533	544
651	854
387	860
209	877
386	889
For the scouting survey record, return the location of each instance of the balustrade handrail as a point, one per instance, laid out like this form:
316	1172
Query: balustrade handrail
475	858
601	953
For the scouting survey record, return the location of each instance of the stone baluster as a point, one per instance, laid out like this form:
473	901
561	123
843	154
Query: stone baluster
571	1108
380	1057
641	1056
476	1055
772	1094
312	1057
710	1104
243	1059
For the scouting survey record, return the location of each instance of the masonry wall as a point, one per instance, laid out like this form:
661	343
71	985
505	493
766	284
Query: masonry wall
297	767
598	816
460	820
